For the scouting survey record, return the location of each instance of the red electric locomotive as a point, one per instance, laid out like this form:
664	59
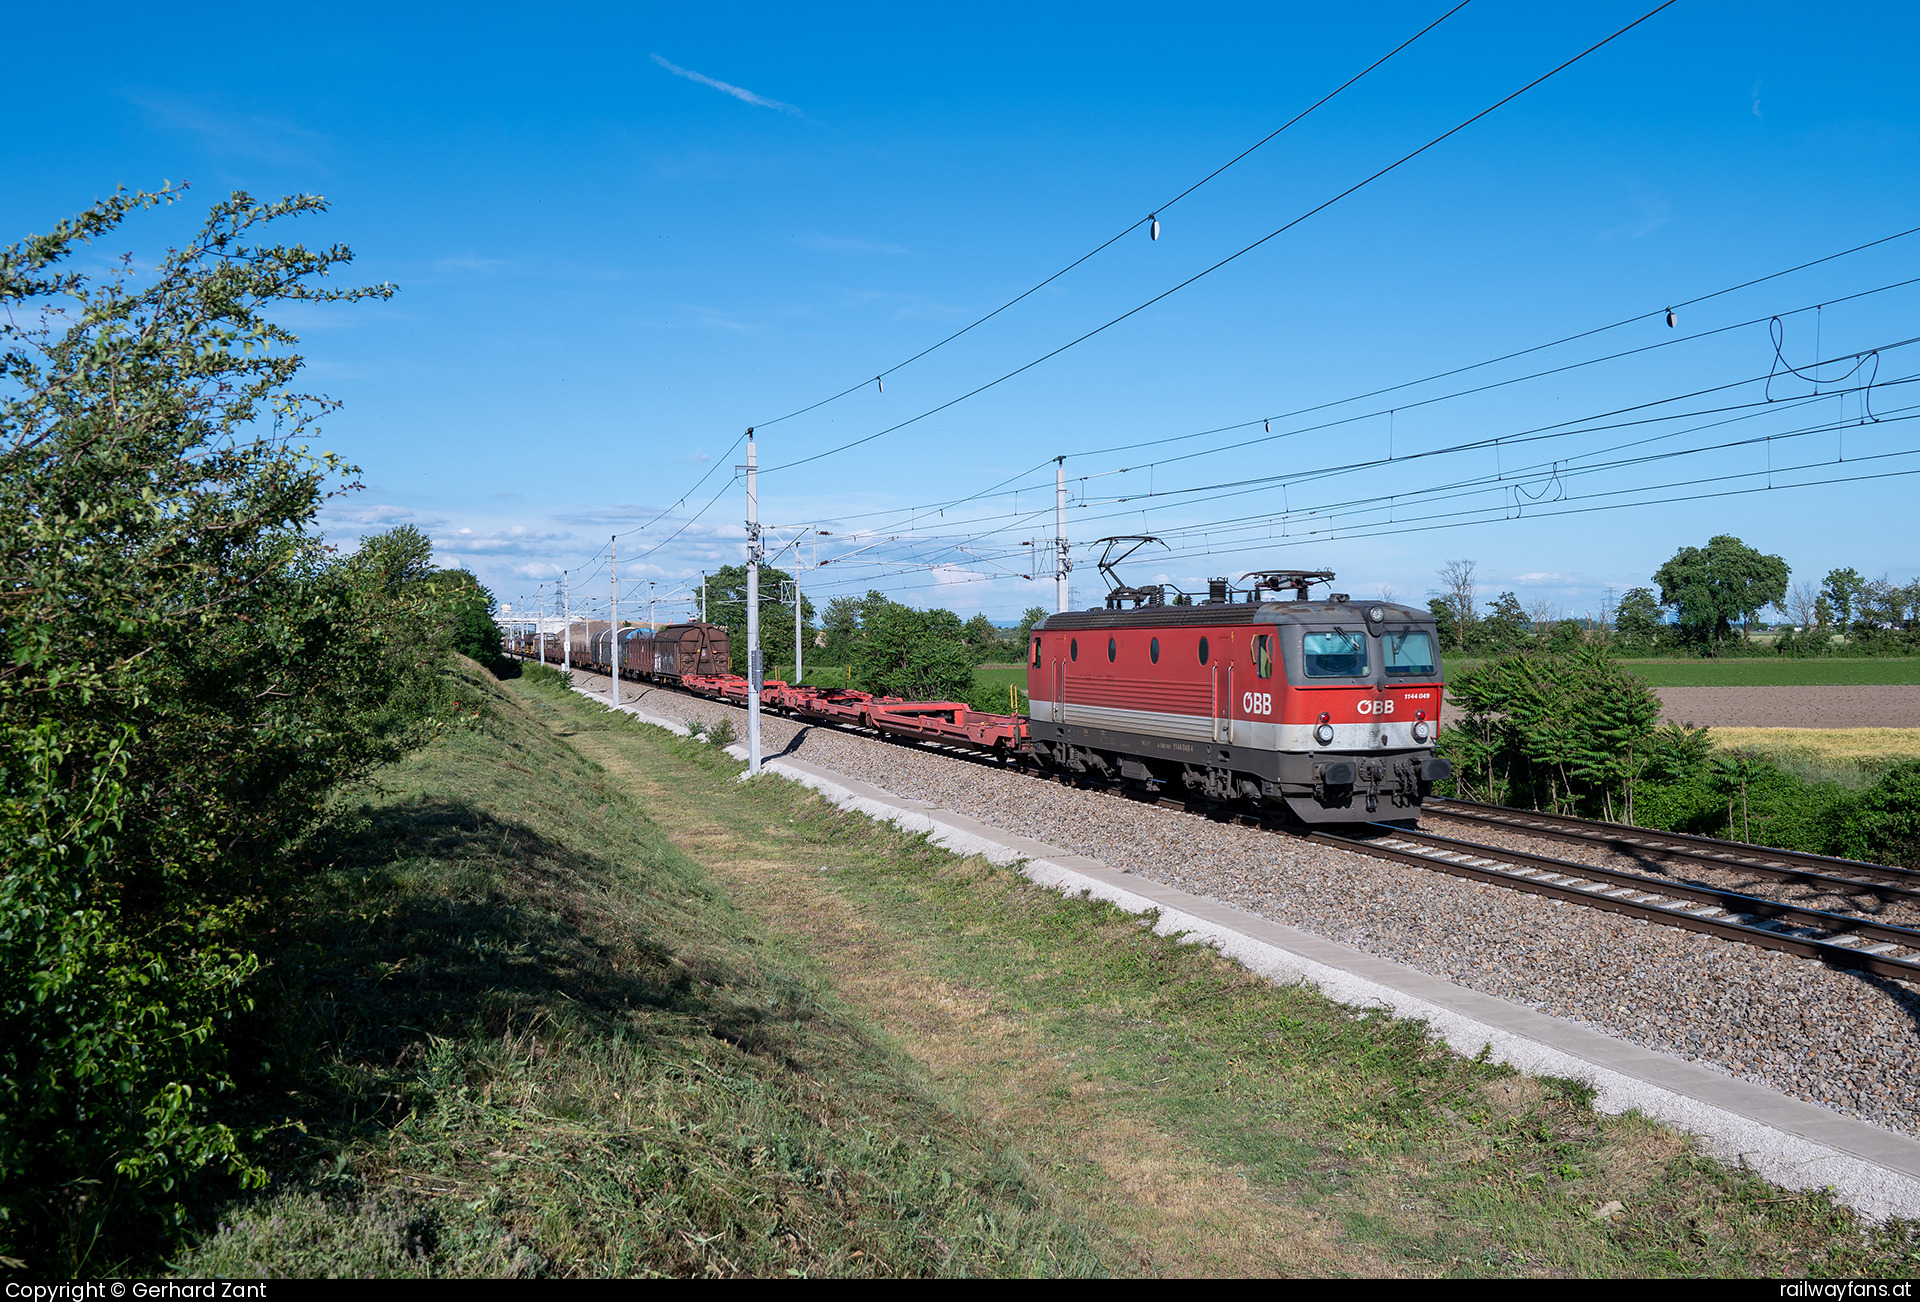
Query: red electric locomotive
1324	709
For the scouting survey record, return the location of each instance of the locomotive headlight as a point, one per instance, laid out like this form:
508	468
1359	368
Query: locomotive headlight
1420	730
1324	734
1376	613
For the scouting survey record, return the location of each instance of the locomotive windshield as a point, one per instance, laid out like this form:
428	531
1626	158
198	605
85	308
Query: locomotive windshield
1409	655
1335	655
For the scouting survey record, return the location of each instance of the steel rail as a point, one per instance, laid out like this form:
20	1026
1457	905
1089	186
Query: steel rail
1534	874
1658	900
1816	869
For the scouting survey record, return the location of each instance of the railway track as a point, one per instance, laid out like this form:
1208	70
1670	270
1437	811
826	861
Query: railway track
1841	940
1846	876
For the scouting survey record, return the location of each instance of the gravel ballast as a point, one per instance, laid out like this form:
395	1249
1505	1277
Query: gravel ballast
1847	1042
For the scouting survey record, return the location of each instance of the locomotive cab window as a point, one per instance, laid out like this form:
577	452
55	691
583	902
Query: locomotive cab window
1036	653
1263	655
1408	655
1334	655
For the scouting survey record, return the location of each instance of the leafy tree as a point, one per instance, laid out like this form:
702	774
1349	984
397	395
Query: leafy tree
727	606
470	609
1028	618
1459	592
188	674
1885	604
916	654
1678	754
1843	589
841	624
1446	623
1505	625
1562	636
981	634
1638	618
1712	586
1733	772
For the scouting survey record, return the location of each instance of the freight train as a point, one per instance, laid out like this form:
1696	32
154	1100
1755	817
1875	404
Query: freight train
1321	711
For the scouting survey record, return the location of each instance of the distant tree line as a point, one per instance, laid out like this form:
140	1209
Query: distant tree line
1703	601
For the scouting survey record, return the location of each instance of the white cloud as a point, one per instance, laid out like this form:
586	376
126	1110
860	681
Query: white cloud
370	514
948	574
515	540
738	92
1537	578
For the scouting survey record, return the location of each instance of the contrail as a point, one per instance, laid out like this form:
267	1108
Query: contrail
738	92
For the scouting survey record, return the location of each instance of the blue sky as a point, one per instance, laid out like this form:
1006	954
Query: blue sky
623	234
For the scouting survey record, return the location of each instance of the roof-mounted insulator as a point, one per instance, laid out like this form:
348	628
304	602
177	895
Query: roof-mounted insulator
1673	318
1153	227
1269	427
882	383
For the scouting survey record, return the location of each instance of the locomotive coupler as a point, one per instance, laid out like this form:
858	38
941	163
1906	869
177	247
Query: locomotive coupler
1371	771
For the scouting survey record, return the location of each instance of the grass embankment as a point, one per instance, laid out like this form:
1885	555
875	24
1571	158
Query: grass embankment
1838	672
527	1035
588	1004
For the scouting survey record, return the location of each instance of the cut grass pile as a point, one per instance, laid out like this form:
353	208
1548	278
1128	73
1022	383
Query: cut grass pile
578	1001
1852	757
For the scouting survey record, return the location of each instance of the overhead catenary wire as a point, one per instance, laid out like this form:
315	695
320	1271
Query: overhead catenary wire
1571	427
1536	348
1457	393
1108	243
1230	258
1689	494
1569	465
1266	421
897	513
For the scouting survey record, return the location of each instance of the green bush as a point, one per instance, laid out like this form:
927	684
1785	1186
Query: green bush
1572	732
189	673
1884	823
921	655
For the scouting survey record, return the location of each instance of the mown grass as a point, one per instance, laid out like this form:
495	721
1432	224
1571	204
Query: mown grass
517	1032
1892	671
1340	1141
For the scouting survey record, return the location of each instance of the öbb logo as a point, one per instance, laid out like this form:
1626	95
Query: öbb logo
1375	707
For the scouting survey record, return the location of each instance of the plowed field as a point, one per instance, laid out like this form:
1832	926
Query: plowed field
1793	707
